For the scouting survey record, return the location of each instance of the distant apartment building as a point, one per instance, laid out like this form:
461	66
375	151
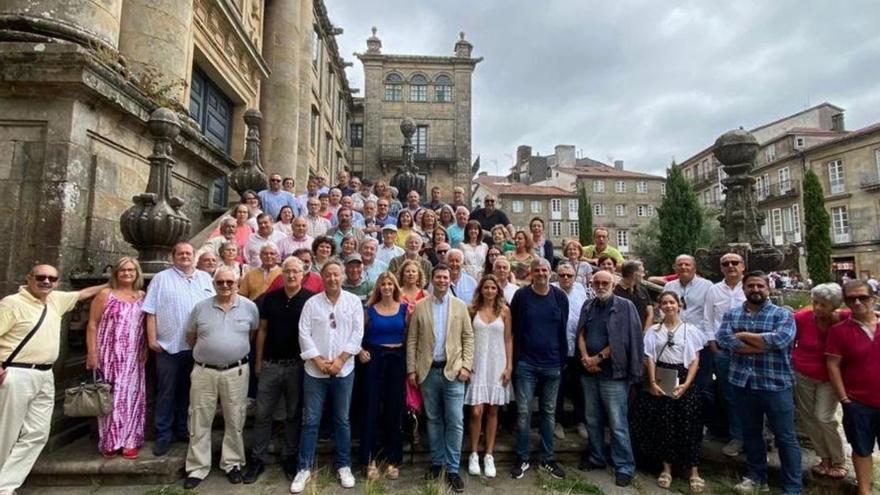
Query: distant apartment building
522	202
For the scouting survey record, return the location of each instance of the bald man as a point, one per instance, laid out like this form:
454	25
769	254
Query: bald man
30	331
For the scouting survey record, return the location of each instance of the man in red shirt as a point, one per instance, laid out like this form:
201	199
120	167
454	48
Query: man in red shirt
853	358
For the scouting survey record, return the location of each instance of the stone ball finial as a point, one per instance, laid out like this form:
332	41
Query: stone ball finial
735	147
407	127
374	29
461	35
252	116
164	123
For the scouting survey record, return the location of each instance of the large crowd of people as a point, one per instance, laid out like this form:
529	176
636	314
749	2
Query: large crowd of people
343	298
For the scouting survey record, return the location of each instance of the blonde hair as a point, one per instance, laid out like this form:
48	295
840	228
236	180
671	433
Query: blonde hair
376	295
139	277
422	275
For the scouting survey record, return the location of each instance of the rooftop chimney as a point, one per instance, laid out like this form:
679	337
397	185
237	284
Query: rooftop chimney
523	153
565	155
618	164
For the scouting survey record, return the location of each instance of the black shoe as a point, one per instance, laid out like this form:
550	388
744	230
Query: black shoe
553	469
253	471
519	469
234	475
181	437
623	480
433	473
586	465
190	482
455	482
161	446
290	466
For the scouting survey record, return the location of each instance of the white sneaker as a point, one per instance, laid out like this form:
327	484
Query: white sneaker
749	487
489	466
346	479
559	432
582	431
299	482
474	464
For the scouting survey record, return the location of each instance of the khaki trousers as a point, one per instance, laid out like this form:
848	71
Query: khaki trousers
208	385
816	410
27	398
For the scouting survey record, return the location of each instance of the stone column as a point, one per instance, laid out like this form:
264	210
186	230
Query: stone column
156	39
82	21
280	93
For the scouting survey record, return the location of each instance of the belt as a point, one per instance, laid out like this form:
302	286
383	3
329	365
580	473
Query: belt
438	364
283	361
222	367
41	367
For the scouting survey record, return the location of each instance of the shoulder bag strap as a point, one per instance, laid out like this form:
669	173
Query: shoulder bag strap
27	337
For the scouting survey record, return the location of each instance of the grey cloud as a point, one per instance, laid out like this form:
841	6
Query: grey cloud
637	81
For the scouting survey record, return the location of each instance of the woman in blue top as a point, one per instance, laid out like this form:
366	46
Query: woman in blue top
384	356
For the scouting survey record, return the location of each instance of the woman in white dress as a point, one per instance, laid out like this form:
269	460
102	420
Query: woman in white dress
474	249
489	385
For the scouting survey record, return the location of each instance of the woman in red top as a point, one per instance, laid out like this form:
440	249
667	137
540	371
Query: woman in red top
815	398
411	282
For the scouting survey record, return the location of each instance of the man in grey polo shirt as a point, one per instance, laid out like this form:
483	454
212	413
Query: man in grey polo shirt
220	330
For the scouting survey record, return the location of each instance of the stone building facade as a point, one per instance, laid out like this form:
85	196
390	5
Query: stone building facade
434	91
521	202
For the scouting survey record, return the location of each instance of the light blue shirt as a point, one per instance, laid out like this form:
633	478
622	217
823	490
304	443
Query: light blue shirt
272	202
373	271
440	309
357	220
171	297
465	288
456	235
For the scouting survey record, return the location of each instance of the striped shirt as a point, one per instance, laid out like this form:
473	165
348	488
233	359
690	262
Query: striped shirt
171	297
770	370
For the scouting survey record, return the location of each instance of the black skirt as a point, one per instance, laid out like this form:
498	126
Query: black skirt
670	430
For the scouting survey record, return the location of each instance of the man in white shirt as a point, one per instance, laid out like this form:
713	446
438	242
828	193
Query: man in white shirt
318	225
389	248
720	299
265	233
570	385
501	270
331	328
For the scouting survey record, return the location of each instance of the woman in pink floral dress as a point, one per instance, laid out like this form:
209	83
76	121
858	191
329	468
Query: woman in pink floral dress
117	348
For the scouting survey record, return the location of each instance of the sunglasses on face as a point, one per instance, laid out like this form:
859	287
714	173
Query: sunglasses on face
728	263
442	251
274	180
864	299
224	283
565	275
44	278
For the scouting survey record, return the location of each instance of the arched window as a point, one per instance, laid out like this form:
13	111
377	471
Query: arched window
418	89
393	87
443	89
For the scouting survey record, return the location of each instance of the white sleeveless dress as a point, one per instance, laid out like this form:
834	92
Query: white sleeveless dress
490	360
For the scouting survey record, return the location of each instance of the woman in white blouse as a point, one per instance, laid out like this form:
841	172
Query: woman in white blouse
667	426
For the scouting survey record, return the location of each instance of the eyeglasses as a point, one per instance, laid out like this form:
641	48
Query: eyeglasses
864	299
224	283
565	275
726	264
274	180
43	278
442	251
332	321
489	201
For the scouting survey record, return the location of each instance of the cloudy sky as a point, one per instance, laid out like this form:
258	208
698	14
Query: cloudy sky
641	82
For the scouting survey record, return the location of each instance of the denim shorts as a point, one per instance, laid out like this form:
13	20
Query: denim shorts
861	424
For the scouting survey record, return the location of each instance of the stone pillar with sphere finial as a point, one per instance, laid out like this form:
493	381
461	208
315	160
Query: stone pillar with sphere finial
156	222
249	175
741	219
407	177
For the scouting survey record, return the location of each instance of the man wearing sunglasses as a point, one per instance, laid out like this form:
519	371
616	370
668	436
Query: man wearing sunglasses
723	296
220	330
853	359
27	384
489	216
274	198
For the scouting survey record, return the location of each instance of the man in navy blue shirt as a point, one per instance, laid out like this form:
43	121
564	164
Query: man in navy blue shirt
540	346
611	351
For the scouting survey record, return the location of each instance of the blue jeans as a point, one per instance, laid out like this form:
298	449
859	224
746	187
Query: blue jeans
527	379
779	409
444	407
172	394
605	401
722	371
315	391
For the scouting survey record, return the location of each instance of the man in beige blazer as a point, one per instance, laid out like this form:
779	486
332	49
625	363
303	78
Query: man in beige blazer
439	359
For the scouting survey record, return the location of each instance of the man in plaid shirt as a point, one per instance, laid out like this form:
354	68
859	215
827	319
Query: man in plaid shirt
759	336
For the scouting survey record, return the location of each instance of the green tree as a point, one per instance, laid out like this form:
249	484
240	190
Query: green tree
818	226
646	244
585	216
680	218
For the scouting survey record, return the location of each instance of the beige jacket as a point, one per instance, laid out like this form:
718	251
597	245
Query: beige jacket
420	339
